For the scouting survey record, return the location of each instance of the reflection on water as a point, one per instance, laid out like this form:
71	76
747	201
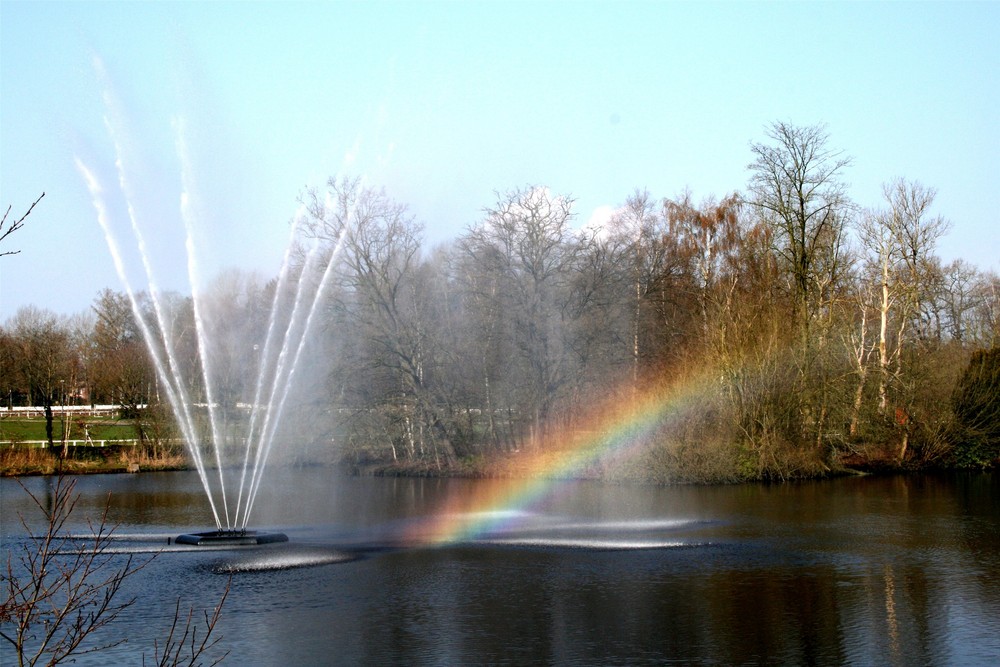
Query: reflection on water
900	570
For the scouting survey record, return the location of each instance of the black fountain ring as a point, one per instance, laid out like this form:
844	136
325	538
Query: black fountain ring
230	538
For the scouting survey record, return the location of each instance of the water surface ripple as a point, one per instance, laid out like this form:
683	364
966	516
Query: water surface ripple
895	570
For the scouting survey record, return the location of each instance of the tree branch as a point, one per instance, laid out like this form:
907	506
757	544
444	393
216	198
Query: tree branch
15	225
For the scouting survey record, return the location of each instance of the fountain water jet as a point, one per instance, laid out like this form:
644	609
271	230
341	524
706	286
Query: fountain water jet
277	363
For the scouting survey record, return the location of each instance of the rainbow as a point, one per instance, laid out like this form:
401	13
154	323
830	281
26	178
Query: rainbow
618	428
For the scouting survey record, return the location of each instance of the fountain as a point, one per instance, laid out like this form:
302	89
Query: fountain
230	537
297	297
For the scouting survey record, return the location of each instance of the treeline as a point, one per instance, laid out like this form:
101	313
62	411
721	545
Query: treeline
782	331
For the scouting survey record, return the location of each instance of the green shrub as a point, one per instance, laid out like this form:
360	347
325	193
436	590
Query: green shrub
976	403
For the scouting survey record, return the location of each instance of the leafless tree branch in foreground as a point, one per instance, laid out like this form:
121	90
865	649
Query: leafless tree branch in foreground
8	229
61	589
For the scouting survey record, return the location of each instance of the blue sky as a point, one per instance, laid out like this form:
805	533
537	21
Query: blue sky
442	103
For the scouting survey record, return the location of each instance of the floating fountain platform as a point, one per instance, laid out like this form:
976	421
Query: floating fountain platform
230	538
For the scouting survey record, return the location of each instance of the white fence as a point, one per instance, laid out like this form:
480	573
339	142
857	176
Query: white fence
57	444
85	410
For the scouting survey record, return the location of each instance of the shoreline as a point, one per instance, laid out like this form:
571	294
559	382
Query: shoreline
46	463
39	464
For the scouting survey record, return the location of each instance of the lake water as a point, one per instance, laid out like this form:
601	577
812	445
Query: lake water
864	571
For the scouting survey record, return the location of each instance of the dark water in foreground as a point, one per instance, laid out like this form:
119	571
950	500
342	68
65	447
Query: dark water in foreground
865	571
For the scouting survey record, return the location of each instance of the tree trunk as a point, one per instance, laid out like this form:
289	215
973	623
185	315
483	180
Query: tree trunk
635	336
883	350
489	409
859	392
861	358
48	423
65	433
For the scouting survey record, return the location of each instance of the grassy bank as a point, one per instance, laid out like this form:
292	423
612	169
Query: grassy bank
18	461
97	445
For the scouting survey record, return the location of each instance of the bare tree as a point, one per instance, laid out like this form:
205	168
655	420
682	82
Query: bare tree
526	241
611	334
709	240
121	372
42	359
121	369
883	255
958	300
488	343
640	235
380	257
899	243
796	187
917	233
983	324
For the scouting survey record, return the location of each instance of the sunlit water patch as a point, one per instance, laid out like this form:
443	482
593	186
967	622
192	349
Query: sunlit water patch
284	559
527	529
586	543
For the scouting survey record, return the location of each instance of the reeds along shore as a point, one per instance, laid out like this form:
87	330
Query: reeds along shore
18	461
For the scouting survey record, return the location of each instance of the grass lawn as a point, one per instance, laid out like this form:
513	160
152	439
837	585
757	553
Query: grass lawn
18	429
111	457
